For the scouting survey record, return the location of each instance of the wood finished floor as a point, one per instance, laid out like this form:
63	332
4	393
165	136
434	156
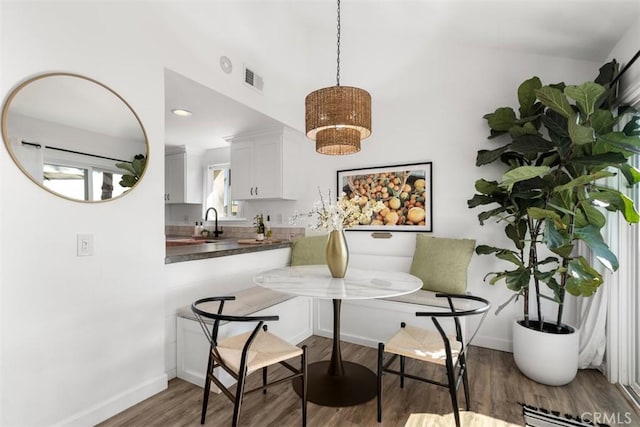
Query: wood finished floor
496	388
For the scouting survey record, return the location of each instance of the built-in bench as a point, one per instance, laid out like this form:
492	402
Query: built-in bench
294	326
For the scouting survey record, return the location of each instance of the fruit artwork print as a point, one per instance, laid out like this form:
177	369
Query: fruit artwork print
405	191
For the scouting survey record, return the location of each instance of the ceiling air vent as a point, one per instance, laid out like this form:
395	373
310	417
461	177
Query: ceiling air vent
253	79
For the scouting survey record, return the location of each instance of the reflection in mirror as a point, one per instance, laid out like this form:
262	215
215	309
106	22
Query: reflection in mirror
74	136
218	191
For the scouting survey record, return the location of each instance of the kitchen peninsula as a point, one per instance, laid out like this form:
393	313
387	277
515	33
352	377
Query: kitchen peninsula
219	248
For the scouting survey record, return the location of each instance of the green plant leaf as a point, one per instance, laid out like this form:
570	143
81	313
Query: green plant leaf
629	212
127	181
518	279
517	232
585	95
487	187
591	236
557	240
502	119
621	141
483	216
619	202
593	215
555	123
480	199
538	213
583	180
579	134
632	128
487	156
487	250
604	159
607	73
127	167
555	99
139	163
602	121
511	257
497	277
522	173
630	173
527	95
582	279
545	276
531	144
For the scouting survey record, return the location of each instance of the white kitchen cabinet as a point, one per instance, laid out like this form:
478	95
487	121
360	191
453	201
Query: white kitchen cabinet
265	165
182	179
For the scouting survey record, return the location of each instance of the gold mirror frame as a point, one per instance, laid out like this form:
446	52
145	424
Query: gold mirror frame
7	142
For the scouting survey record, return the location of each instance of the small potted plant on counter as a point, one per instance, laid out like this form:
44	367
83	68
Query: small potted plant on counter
258	223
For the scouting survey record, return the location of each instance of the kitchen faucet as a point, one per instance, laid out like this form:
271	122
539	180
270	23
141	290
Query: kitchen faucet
216	232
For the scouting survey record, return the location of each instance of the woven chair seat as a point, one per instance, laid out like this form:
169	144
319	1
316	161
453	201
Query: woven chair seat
267	349
421	344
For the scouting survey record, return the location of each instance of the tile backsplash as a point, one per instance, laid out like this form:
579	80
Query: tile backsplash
238	232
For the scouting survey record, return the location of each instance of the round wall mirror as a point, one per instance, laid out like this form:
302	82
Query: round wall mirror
74	137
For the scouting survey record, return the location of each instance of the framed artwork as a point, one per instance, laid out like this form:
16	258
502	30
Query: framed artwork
405	191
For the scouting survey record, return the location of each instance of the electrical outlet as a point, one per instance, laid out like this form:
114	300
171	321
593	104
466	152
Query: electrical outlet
85	245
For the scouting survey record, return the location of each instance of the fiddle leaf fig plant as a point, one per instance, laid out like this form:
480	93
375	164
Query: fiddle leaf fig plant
133	170
557	150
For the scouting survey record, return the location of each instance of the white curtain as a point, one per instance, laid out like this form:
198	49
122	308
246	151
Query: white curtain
592	321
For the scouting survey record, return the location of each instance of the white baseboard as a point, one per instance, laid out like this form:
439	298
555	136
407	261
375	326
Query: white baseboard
493	343
172	373
118	403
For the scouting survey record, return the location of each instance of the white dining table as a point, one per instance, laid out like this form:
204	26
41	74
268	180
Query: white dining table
336	382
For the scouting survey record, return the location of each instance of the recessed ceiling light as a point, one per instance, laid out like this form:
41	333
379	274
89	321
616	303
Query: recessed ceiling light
181	112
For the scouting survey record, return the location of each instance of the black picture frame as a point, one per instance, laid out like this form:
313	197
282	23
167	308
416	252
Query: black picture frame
396	179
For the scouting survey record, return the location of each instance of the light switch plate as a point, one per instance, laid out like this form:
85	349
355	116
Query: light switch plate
85	244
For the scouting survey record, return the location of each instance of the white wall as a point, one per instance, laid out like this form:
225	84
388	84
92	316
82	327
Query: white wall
83	338
86	336
623	51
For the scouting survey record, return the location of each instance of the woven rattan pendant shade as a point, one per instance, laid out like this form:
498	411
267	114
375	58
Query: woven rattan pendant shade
337	118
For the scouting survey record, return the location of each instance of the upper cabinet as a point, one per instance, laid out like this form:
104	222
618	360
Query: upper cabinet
182	179
264	165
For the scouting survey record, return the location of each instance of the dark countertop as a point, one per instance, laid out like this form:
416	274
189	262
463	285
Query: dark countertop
223	247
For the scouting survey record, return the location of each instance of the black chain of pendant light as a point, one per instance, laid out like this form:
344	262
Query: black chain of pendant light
338	60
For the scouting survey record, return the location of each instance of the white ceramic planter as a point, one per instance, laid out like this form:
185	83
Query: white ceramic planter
547	358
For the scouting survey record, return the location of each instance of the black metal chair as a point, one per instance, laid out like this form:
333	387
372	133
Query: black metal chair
245	353
434	347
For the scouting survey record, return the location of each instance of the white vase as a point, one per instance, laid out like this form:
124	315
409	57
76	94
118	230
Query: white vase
547	358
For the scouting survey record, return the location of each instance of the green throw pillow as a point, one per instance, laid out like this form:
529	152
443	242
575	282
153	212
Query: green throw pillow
309	251
442	263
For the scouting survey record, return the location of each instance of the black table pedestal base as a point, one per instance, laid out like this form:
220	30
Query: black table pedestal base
357	385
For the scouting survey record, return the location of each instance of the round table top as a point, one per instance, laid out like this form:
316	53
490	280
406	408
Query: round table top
316	281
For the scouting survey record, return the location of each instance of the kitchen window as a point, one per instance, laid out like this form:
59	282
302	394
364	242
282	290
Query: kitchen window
218	191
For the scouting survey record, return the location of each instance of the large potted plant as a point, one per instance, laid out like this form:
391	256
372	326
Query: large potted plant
558	151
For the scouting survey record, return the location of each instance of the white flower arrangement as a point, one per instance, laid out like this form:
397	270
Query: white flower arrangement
342	214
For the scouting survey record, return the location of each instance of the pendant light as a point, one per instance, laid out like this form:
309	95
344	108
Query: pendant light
338	117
